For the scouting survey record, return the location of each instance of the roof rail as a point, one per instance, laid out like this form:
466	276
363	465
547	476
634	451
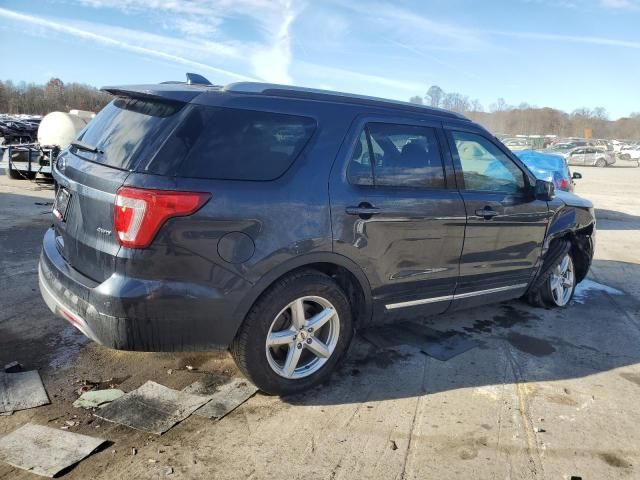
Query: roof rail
304	92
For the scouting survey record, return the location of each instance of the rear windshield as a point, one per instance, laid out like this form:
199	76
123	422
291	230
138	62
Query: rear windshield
232	144
128	128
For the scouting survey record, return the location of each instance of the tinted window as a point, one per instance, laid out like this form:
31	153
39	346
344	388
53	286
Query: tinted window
485	167
234	144
127	129
360	171
404	156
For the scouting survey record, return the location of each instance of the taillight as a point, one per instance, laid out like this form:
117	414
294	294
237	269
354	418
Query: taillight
139	213
563	184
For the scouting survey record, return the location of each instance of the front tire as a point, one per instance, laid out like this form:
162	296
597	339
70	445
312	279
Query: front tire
601	163
295	334
559	288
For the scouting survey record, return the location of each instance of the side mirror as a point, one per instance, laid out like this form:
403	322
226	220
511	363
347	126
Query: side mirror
544	190
576	176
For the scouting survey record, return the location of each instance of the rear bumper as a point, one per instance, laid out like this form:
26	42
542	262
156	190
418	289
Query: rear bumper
135	314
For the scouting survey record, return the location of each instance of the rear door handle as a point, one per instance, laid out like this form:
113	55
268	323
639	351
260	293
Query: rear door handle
487	213
363	210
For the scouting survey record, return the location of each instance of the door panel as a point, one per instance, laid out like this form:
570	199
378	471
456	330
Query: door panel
505	224
408	240
576	158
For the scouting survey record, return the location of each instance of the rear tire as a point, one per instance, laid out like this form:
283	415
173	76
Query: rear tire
601	163
295	334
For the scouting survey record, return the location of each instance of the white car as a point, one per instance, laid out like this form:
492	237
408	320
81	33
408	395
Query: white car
515	144
630	152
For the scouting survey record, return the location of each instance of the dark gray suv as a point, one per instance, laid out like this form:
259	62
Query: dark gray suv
276	220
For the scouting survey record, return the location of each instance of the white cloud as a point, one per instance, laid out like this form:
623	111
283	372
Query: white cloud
271	63
411	28
552	37
620	4
200	21
124	44
322	75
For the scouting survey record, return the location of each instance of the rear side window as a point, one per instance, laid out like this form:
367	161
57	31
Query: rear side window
234	144
129	128
403	156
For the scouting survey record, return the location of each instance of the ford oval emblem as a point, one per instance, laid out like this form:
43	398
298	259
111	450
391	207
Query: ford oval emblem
62	163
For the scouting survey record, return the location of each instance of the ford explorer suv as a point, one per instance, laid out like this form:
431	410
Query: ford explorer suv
275	221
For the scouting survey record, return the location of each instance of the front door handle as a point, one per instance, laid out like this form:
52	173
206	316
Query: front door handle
364	210
487	213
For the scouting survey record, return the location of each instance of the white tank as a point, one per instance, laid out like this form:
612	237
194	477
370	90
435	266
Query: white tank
84	114
60	128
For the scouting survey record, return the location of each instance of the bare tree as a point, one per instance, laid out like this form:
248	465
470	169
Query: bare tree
416	99
476	106
500	106
54	95
435	95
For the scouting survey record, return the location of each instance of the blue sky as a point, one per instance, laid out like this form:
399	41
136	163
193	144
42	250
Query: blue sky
564	54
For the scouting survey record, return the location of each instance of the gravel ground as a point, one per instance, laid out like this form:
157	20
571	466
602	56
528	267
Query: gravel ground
547	394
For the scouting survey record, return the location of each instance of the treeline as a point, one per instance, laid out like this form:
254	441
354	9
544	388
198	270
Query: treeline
55	95
531	120
499	117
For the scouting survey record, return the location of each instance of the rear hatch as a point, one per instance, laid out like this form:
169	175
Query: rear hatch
89	174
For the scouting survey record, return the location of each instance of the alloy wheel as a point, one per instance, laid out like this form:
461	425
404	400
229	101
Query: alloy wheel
302	337
562	281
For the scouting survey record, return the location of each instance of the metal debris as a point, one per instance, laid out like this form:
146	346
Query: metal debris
227	398
45	451
22	390
152	408
96	398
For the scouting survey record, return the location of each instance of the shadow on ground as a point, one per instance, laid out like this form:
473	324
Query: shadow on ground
516	344
623	221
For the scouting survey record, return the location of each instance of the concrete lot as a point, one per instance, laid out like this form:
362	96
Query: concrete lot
548	394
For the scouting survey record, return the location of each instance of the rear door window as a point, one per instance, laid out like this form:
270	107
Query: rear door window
360	169
403	156
234	144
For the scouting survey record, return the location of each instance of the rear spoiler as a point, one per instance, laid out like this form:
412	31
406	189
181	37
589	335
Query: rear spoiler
165	91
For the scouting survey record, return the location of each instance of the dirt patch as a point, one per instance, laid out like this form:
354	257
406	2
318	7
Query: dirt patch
614	460
561	400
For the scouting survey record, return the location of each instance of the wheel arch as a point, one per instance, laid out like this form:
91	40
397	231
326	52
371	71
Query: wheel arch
578	226
345	272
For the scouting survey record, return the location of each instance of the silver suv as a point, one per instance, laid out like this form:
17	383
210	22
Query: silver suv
591	156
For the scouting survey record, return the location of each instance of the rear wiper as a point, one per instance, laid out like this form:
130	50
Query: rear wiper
86	147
